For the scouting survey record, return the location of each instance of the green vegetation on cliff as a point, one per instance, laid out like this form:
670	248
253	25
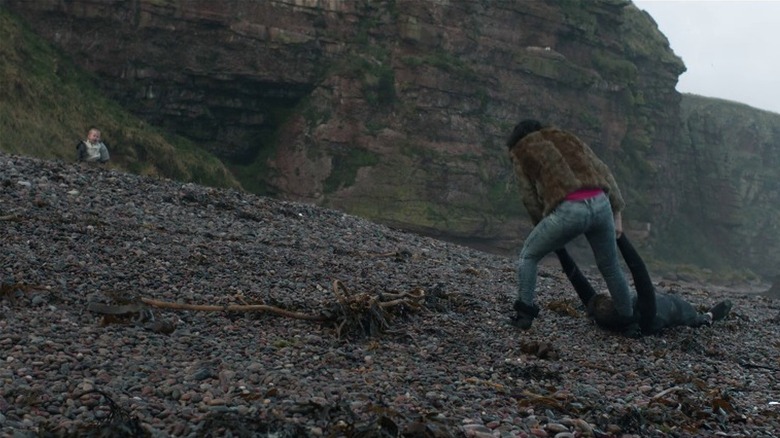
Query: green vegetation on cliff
47	104
346	166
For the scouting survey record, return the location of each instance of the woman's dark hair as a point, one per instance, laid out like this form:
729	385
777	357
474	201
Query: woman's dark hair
602	310
521	130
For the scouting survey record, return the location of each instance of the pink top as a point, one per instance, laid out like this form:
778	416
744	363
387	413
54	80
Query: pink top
581	194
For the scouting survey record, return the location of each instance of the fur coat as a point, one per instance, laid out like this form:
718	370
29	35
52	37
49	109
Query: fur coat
552	163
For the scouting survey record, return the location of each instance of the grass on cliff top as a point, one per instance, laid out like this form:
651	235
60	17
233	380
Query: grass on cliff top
47	104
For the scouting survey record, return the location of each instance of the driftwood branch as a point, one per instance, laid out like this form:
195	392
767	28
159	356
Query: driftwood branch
667	391
359	312
232	308
758	366
115	309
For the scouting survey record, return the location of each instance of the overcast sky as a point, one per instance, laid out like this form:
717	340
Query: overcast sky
728	46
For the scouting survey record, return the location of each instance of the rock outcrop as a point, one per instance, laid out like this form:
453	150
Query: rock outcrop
396	110
733	183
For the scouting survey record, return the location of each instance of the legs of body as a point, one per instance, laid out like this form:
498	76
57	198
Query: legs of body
581	284
601	307
646	302
644	286
688	315
681	312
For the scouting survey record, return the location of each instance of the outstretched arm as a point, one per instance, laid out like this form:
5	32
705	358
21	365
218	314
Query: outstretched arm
644	286
576	277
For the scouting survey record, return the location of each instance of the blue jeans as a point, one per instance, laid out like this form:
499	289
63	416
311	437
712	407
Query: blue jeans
591	217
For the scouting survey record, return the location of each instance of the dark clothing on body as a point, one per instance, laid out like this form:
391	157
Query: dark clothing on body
655	310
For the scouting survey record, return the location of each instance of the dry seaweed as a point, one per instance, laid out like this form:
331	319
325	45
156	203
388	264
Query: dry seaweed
564	307
367	315
229	424
353	314
542	350
117	424
12	290
380	422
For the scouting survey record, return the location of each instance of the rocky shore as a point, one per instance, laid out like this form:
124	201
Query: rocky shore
285	348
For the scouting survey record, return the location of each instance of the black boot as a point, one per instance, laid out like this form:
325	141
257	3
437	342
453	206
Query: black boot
524	315
720	310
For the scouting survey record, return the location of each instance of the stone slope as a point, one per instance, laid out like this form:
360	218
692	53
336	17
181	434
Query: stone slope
72	236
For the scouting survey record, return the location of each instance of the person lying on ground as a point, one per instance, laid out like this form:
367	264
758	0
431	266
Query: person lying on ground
655	310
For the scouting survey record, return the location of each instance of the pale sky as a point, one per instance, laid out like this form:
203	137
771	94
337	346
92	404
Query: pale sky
730	47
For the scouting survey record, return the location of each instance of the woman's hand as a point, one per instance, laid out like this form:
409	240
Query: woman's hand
618	224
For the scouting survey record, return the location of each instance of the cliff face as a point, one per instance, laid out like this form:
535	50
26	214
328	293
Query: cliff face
396	110
733	174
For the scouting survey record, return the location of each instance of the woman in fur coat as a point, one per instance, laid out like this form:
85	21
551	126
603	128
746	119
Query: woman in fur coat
568	191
